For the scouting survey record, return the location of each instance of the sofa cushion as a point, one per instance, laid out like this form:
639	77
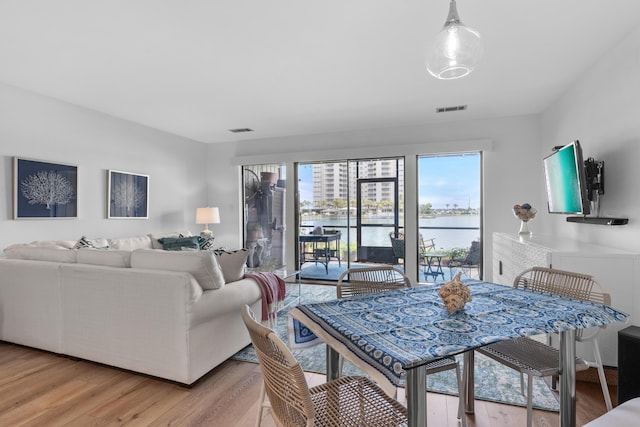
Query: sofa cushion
130	243
178	243
201	264
232	264
60	244
40	253
109	258
155	244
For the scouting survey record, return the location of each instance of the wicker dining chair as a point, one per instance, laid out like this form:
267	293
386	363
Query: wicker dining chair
528	356
347	401
369	280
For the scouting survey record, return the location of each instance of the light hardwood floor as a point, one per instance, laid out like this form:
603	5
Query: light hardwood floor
43	389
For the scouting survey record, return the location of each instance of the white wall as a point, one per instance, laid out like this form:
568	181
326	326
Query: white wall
512	169
37	127
601	110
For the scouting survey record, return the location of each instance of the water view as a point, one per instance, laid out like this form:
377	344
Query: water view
448	232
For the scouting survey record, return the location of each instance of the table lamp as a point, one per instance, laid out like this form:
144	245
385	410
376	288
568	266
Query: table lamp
207	216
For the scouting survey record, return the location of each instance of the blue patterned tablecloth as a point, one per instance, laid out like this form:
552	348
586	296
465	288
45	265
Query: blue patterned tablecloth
401	329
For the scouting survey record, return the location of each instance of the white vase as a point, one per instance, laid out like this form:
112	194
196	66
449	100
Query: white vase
524	229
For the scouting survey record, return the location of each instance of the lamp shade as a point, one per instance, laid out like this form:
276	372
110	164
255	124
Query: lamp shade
457	49
207	216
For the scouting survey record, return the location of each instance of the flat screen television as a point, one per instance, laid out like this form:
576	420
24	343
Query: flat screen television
566	181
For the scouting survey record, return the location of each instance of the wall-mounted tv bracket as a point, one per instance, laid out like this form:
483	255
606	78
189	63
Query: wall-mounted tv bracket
594	171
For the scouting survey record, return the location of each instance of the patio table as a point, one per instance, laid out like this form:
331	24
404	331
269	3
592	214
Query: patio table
321	250
393	335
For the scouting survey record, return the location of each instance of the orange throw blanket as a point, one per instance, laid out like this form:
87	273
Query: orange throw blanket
273	290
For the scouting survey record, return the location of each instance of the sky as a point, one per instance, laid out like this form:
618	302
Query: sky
446	179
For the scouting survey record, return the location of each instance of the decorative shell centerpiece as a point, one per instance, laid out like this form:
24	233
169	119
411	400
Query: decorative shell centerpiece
524	212
455	294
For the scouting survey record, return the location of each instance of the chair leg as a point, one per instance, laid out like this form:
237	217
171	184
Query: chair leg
461	392
529	399
262	404
603	379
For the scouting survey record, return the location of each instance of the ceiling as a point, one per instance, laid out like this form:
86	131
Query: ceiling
198	68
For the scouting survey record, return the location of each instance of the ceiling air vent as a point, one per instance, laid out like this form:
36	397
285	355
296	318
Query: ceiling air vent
448	109
240	130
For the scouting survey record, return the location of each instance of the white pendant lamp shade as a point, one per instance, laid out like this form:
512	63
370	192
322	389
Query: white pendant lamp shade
456	50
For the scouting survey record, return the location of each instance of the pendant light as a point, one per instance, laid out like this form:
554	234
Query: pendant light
456	50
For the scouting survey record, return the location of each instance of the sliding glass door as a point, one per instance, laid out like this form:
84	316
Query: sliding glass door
358	200
264	215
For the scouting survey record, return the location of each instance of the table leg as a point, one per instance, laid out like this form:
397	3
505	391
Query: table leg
568	378
327	256
417	396
333	365
469	393
429	267
439	269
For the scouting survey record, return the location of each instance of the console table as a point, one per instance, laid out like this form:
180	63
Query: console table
318	248
616	269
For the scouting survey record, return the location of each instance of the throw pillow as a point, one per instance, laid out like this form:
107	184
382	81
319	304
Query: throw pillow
84	243
157	245
206	243
232	264
178	243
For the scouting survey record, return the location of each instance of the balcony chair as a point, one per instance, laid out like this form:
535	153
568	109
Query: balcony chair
469	262
363	281
397	244
347	401
427	245
534	358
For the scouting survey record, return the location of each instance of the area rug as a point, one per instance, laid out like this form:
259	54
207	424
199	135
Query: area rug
493	381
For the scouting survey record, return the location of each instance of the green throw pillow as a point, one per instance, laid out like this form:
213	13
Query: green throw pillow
179	243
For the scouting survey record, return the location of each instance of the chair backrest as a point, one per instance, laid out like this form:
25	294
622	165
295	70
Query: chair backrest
563	283
427	245
362	281
284	379
397	244
473	256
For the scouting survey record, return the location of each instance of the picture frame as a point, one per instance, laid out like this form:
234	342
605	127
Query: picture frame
44	190
127	195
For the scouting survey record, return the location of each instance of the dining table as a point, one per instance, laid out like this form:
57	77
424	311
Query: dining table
392	335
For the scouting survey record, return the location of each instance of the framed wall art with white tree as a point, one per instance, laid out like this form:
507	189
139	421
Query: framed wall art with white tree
128	195
44	190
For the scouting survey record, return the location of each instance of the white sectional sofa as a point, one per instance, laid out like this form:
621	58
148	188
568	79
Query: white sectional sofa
169	314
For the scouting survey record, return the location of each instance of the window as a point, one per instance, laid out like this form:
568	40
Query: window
449	210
